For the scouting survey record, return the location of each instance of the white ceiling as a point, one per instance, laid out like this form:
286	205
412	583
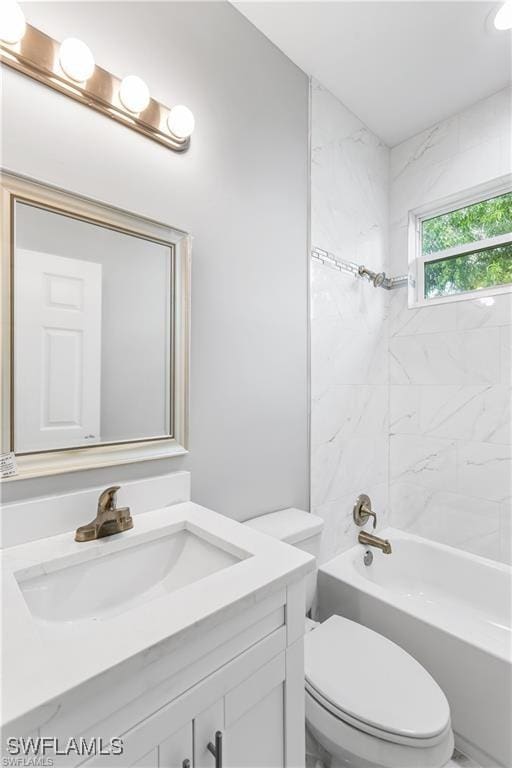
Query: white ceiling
399	66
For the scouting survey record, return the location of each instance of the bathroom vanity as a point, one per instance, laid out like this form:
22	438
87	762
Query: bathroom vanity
183	637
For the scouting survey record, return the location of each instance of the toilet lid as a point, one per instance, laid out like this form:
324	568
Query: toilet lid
372	680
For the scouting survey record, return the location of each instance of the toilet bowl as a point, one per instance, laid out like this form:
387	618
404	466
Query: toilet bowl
369	703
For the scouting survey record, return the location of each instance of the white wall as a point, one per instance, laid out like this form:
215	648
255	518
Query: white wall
450	365
242	192
349	376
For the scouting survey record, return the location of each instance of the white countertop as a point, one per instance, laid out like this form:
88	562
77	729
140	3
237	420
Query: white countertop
42	660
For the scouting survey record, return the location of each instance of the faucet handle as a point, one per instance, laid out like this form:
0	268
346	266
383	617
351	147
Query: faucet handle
107	499
369	513
363	510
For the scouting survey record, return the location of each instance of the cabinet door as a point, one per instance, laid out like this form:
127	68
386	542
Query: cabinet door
172	752
176	751
251	719
152	744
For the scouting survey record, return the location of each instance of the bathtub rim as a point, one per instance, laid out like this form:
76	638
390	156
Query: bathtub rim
341	567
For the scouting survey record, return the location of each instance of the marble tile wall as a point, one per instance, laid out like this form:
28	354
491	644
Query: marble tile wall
349	360
410	406
450	455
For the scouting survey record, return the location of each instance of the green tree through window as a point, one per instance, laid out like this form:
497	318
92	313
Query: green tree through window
475	269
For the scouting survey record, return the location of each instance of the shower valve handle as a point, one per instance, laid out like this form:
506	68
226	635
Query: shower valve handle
363	510
372	514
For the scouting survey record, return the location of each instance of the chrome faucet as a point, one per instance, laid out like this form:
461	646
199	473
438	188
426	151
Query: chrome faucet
109	518
362	512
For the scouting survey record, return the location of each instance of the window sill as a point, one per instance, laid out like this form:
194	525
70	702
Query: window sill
483	295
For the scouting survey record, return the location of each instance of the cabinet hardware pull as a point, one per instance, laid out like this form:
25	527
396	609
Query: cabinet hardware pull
185	763
216	749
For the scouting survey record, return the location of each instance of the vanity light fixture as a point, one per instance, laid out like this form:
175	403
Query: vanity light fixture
180	121
76	60
12	22
70	69
503	18
134	94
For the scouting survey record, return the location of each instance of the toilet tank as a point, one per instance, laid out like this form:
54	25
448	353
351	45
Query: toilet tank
294	526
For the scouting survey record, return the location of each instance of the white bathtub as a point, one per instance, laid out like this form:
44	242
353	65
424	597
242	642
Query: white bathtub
449	609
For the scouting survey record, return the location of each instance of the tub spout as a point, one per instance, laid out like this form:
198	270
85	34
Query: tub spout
369	540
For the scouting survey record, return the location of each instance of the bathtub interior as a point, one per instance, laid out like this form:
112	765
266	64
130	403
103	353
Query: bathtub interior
425	565
468	594
451	611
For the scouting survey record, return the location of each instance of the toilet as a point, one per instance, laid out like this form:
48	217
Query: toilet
369	703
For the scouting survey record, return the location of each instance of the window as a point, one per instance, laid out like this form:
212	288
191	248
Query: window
463	247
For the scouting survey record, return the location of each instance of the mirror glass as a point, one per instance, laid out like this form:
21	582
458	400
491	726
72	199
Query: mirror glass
92	333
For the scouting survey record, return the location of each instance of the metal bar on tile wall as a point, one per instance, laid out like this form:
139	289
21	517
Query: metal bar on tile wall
378	279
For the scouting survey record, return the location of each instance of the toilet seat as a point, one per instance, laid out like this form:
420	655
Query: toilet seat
370	730
373	685
349	746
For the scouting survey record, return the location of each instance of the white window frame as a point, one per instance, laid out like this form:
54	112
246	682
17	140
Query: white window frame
417	260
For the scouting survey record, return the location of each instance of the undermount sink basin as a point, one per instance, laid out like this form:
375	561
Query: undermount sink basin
105	586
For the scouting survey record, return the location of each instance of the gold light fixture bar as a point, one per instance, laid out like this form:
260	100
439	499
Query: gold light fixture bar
37	55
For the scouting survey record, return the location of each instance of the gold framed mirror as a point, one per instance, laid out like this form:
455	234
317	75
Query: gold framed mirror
95	332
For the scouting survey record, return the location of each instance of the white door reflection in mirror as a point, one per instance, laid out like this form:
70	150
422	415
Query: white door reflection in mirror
93	349
57	353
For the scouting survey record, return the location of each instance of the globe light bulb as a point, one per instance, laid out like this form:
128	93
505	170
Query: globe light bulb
76	59
180	121
503	18
12	22
134	94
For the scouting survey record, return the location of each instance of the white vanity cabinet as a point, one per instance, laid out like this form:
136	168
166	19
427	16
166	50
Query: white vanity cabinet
222	654
244	679
249	719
